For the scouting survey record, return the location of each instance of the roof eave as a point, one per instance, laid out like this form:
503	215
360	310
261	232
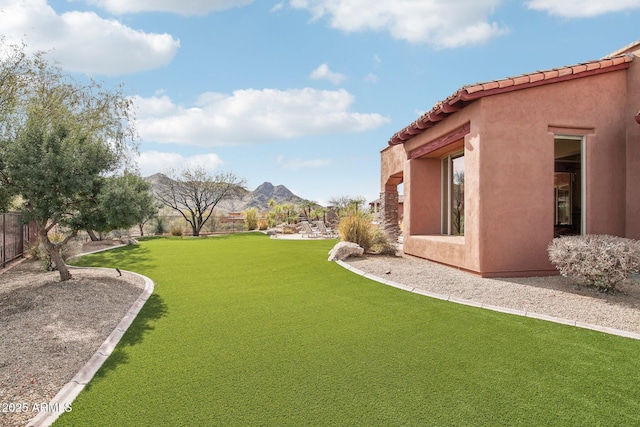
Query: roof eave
468	94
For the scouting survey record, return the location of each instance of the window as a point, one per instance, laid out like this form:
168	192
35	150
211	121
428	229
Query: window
453	194
568	185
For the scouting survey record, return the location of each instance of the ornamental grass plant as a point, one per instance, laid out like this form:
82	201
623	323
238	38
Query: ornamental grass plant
356	226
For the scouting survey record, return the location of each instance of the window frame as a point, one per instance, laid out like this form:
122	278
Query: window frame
583	174
446	219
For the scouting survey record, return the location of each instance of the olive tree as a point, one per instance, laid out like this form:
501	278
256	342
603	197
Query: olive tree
14	69
124	201
59	141
194	193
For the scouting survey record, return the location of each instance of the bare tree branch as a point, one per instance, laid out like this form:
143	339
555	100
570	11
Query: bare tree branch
195	193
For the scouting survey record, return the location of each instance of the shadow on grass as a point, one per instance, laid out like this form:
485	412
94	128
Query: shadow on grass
124	257
153	310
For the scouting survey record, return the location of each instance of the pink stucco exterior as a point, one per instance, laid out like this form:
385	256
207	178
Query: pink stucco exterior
508	145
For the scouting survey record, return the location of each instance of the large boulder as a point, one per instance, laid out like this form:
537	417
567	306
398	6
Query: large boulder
344	250
126	240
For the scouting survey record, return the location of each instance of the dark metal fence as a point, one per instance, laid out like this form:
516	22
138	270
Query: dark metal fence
14	235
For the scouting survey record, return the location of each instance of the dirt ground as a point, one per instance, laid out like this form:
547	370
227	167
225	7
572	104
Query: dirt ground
49	329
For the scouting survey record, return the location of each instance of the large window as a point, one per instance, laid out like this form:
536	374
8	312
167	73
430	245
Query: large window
453	194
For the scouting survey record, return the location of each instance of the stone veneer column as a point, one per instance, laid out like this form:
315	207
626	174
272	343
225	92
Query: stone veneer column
389	213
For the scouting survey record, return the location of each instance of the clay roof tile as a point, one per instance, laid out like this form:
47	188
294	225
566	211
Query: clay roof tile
606	63
536	77
473	88
579	68
565	71
505	83
490	85
593	65
520	80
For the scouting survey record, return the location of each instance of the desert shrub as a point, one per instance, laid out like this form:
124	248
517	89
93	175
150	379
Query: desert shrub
263	224
381	243
595	260
356	227
175	230
251	218
160	226
290	229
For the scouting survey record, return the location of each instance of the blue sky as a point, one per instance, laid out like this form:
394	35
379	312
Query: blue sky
304	93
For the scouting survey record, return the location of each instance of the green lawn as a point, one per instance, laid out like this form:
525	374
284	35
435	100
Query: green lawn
245	330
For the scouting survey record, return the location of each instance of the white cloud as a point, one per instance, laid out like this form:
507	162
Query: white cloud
324	73
251	116
582	8
151	162
371	78
83	41
278	7
439	23
183	7
297	163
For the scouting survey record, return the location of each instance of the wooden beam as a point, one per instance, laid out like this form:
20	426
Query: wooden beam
443	141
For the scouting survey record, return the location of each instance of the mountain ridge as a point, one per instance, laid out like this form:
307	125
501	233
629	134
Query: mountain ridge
258	198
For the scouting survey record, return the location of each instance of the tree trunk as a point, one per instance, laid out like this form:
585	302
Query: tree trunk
56	256
196	230
141	225
92	235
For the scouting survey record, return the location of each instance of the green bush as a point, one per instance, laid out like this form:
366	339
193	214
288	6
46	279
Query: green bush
251	218
160	226
595	260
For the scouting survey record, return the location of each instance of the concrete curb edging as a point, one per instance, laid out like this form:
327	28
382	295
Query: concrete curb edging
72	389
523	313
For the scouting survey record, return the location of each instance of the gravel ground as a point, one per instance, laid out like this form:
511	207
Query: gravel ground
553	295
49	329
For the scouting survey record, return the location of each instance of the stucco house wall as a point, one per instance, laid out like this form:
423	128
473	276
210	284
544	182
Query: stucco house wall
516	167
423	195
509	171
633	151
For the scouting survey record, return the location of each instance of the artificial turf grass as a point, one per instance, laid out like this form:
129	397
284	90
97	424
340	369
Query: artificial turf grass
245	330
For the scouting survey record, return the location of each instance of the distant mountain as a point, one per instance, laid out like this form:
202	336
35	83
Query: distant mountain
258	198
157	179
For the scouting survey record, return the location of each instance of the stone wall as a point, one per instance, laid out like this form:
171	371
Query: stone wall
389	213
